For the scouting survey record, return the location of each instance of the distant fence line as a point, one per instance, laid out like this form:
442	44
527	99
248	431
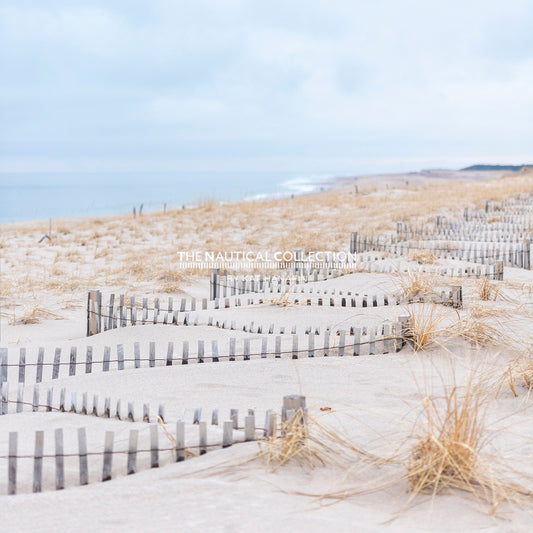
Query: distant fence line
510	254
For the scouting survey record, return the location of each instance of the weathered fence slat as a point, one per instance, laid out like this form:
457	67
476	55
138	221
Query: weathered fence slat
132	452
12	463
3	365
72	361
89	360
60	460
62	394
152	355
120	356
73	402
40	361
57	360
49	399
170	353
35	400
20	396
202	438
154	446
200	351
108	456
38	461
234	415
249	427
5	398
107	359
227	435
82	451
180	440
137	354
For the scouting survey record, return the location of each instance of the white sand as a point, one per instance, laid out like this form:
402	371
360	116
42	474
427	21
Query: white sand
375	402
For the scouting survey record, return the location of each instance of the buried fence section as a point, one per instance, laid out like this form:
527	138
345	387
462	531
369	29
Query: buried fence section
314	297
40	457
279	342
49	469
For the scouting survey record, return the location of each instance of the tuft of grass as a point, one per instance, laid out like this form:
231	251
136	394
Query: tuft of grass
487	290
422	257
306	441
520	371
415	284
446	454
170	280
283	300
476	326
450	450
34	316
425	325
292	445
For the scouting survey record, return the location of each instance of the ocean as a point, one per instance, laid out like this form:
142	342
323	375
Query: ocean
35	196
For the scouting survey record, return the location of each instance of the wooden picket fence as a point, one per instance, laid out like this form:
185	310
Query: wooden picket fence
388	337
402	266
500	233
223	284
117	314
515	254
178	446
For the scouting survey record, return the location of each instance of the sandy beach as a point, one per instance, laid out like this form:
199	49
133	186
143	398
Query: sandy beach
376	405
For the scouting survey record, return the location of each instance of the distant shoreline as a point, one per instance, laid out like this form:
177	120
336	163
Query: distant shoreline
300	187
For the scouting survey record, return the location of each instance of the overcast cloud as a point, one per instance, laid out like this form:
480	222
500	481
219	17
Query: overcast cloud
331	86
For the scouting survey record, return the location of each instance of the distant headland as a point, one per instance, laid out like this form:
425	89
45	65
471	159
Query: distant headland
514	168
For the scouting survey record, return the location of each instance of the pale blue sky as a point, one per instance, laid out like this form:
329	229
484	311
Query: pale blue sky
310	86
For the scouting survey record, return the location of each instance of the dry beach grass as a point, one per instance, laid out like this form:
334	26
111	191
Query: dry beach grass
129	253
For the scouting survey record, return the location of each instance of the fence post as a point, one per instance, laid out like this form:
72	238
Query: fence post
292	402
94	312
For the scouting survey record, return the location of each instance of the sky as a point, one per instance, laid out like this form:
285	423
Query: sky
311	86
